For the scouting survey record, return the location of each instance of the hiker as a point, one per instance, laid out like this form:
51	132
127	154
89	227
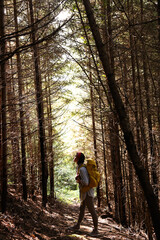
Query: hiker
87	198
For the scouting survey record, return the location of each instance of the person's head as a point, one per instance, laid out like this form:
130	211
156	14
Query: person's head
79	158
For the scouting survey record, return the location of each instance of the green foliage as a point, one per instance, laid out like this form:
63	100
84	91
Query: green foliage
68	196
66	188
65	175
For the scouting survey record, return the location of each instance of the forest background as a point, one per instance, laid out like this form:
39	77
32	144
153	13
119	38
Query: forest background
82	75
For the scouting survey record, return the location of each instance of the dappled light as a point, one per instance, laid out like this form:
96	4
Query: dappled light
79	120
27	220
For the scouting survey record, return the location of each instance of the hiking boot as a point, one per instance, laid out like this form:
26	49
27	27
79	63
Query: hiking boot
94	233
74	228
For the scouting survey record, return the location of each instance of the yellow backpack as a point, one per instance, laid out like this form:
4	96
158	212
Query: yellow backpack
94	175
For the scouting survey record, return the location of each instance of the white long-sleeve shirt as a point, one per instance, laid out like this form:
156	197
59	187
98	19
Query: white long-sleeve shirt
84	182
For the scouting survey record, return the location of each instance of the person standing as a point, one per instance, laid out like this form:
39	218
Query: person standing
86	198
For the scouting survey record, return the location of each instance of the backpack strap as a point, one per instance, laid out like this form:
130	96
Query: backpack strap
79	167
83	188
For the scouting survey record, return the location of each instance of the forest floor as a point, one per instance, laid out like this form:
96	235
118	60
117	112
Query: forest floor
28	220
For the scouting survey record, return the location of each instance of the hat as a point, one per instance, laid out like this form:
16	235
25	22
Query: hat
78	154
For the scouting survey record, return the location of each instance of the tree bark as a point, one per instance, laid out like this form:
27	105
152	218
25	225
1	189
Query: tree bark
151	198
94	129
0	144
120	200
20	91
3	112
40	110
50	134
13	128
158	10
149	118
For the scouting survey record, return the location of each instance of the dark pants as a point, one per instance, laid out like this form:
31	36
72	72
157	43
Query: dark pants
90	205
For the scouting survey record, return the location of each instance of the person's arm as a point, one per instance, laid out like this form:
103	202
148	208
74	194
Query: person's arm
84	176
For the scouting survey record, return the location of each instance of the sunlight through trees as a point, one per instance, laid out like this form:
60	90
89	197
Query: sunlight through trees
82	76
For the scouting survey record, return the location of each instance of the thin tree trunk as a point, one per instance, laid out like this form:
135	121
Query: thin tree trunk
151	198
118	174
50	132
13	133
0	142
112	150
104	155
158	10
119	197
40	111
32	167
149	119
130	188
134	88
12	129
3	112
103	146
132	193
107	39
20	91
143	141
94	130
115	153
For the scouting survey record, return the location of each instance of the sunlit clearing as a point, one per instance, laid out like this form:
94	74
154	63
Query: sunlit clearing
64	15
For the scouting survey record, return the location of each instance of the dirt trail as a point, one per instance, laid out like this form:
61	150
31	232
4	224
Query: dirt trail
108	229
27	220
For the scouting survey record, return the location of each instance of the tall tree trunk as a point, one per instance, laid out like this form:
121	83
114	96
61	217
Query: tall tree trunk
158	10
50	133
3	111
107	39
143	141
94	129
112	150
32	166
20	91
130	188
134	88
40	111
120	200
151	198
103	146
13	134
149	119
132	193
0	142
